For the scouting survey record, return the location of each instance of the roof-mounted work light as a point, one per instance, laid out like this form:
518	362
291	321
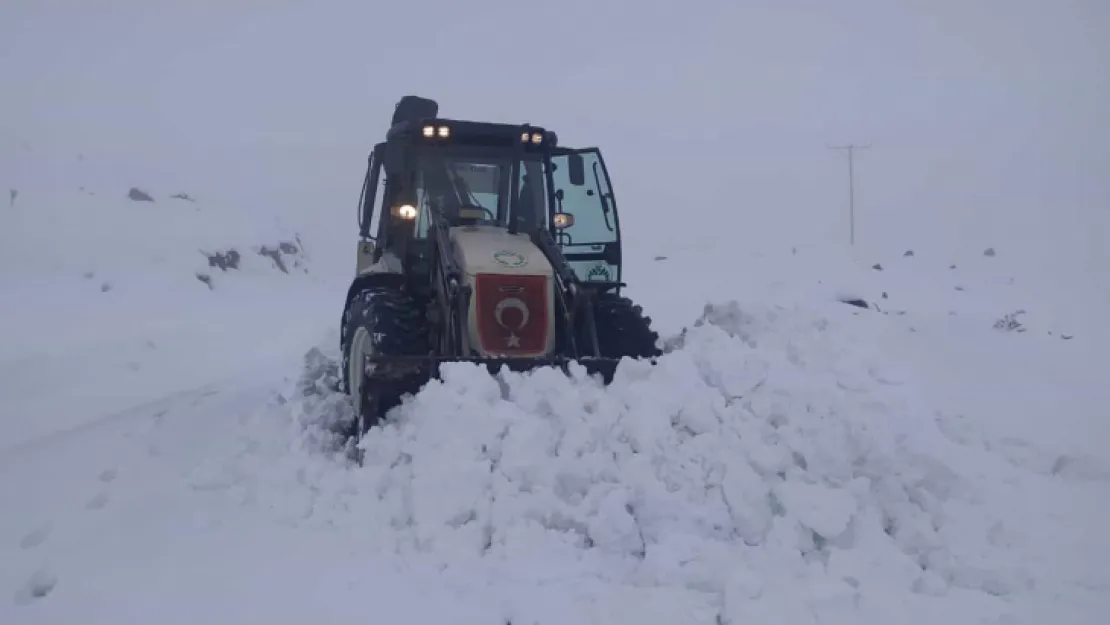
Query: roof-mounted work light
430	131
535	138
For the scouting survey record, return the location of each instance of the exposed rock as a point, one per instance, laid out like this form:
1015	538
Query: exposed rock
283	248
139	195
275	255
1010	323
224	260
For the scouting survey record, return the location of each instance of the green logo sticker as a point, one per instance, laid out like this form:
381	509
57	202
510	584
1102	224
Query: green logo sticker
510	258
599	273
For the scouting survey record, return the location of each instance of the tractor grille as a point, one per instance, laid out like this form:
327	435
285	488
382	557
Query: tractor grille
512	314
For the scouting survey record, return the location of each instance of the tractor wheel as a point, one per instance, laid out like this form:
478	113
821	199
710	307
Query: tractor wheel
622	329
380	320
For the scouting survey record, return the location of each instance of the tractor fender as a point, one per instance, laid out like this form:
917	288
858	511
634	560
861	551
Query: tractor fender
386	271
364	281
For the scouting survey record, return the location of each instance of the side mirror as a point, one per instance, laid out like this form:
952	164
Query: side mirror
577	170
562	220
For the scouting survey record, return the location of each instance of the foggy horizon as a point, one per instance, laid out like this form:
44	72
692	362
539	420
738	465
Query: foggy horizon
987	121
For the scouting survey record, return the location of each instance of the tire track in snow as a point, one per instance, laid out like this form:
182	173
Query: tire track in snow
71	481
155	409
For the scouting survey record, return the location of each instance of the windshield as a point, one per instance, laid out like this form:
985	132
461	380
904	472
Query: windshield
473	185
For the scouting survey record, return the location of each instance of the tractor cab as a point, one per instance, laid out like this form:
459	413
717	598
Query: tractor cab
491	244
462	173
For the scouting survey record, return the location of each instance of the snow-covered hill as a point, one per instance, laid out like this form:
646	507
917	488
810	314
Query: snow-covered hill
108	300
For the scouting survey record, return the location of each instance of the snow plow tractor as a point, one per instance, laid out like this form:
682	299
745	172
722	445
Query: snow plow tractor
485	243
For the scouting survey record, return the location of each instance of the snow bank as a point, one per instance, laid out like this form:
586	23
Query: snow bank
964	293
771	468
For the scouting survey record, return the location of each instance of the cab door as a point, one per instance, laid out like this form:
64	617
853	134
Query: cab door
580	186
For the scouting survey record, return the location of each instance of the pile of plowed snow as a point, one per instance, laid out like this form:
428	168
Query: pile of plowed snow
769	469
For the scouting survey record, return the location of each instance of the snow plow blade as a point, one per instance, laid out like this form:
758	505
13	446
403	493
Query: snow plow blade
413	372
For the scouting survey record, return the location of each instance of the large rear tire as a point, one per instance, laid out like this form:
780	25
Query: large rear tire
622	329
380	320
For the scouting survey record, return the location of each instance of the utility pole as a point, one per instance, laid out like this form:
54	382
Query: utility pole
851	150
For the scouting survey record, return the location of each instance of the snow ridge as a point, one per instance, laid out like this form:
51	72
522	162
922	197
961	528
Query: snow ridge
758	459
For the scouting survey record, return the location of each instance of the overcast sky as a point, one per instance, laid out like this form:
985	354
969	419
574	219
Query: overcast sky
988	119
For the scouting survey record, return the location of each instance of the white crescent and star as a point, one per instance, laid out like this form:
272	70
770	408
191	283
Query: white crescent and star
511	302
499	315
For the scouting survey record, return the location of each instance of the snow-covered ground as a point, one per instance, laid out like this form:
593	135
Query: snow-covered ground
166	456
935	456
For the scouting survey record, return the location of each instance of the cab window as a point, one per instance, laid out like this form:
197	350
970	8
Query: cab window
595	227
590	202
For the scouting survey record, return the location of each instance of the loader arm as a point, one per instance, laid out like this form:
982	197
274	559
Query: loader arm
452	289
575	296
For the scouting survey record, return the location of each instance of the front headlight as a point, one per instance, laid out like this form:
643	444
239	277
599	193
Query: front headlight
562	220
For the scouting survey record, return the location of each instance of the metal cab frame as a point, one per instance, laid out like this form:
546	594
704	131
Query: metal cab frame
429	266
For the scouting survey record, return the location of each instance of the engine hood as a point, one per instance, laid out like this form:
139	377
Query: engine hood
489	249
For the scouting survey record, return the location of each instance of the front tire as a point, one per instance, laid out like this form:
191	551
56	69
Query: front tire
385	321
622	329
